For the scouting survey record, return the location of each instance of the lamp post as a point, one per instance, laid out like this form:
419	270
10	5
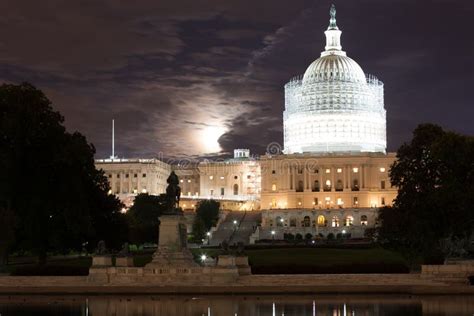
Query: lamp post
208	234
273	235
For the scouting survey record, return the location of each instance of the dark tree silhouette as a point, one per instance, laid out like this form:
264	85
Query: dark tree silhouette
434	174
143	217
49	179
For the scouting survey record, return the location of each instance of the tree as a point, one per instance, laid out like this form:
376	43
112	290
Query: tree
50	181
434	174
208	212
143	217
199	230
7	224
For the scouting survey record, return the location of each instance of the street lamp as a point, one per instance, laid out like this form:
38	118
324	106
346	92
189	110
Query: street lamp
208	234
273	235
203	257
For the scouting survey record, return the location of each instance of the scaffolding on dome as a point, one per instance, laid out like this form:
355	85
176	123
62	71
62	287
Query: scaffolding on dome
334	116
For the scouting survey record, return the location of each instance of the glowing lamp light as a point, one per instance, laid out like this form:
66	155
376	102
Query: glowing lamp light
343	231
273	232
208	234
299	203
235	222
328	170
203	257
123	210
382	169
282	220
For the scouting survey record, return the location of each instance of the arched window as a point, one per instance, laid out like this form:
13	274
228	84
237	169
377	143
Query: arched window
236	189
327	186
316	186
321	221
300	186
306	221
292	222
339	186
355	185
279	221
363	220
274	187
349	221
335	221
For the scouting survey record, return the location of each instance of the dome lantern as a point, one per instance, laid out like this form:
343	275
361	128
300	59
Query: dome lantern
333	36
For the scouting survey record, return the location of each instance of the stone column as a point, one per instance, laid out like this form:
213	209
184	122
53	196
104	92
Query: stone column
333	185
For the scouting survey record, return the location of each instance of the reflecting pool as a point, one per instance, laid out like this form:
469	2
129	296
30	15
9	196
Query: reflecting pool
265	305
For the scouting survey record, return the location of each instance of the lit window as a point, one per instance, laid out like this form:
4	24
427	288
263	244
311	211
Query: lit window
335	222
363	220
382	169
339	201
274	187
328	198
189	193
181	180
222	178
355	170
189	181
328	170
328	183
143	190
339	170
349	220
211	177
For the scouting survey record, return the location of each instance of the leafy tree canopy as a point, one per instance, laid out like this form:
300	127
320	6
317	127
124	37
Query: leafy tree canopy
49	179
434	174
208	212
143	217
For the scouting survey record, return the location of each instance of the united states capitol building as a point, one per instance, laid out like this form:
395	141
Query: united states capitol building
330	176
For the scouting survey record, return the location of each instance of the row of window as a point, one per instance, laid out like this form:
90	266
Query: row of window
135	175
328	187
321	221
249	176
235	190
338	170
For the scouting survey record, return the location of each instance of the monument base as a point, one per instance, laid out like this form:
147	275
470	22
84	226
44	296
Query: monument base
172	245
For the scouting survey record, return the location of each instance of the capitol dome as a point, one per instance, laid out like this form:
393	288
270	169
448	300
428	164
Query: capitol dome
334	67
334	107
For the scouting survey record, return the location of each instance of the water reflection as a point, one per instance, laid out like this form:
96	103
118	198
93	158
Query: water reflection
236	305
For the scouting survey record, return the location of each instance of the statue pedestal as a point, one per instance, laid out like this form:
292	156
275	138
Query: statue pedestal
172	247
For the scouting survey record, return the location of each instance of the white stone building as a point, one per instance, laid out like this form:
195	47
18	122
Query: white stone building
129	177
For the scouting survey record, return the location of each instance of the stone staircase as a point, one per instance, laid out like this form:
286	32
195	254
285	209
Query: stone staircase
236	227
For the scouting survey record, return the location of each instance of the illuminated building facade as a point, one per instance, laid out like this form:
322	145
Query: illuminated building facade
129	177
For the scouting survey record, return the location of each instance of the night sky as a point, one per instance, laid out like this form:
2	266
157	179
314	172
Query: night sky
180	75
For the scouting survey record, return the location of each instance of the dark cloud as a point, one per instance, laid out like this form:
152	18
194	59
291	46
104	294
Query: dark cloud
167	71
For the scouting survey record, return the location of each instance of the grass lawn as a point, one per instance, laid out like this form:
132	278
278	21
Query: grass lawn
325	260
263	261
